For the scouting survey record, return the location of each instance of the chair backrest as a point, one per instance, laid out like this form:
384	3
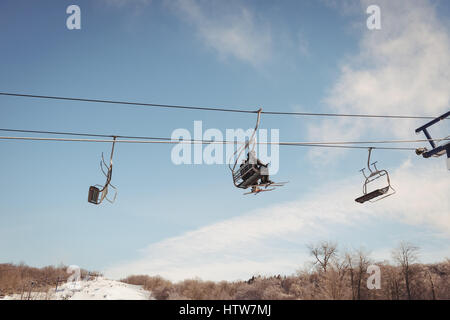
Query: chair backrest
93	194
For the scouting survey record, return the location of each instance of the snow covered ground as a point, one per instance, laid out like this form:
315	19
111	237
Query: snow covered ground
98	289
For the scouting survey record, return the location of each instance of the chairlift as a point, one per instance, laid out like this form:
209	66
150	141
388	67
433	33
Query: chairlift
437	151
101	191
251	173
375	174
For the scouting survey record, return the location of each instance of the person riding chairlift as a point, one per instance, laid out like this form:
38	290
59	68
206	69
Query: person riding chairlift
258	165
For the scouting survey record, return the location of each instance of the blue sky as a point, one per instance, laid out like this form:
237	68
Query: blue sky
188	220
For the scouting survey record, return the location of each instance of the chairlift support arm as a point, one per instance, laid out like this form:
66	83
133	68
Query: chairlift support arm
424	128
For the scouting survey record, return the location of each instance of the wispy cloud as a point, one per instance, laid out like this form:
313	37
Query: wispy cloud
270	241
229	28
232	30
404	68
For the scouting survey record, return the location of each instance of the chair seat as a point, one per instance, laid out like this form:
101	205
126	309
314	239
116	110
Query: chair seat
372	195
250	181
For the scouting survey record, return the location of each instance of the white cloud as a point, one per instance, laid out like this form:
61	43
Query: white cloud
272	240
231	29
404	68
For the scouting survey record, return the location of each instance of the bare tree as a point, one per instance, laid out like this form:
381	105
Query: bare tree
405	255
433	292
390	284
349	260
323	252
363	263
357	263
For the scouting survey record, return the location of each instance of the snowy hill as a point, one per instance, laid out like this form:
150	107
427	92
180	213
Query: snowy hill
98	289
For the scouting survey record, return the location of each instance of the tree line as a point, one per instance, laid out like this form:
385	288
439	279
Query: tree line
331	274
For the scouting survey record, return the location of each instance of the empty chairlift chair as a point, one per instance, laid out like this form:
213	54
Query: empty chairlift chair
98	193
375	174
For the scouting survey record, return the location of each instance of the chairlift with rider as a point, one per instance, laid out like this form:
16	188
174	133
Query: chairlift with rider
251	173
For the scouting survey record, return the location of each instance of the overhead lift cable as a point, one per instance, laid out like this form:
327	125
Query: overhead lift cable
169	141
210	141
219	109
